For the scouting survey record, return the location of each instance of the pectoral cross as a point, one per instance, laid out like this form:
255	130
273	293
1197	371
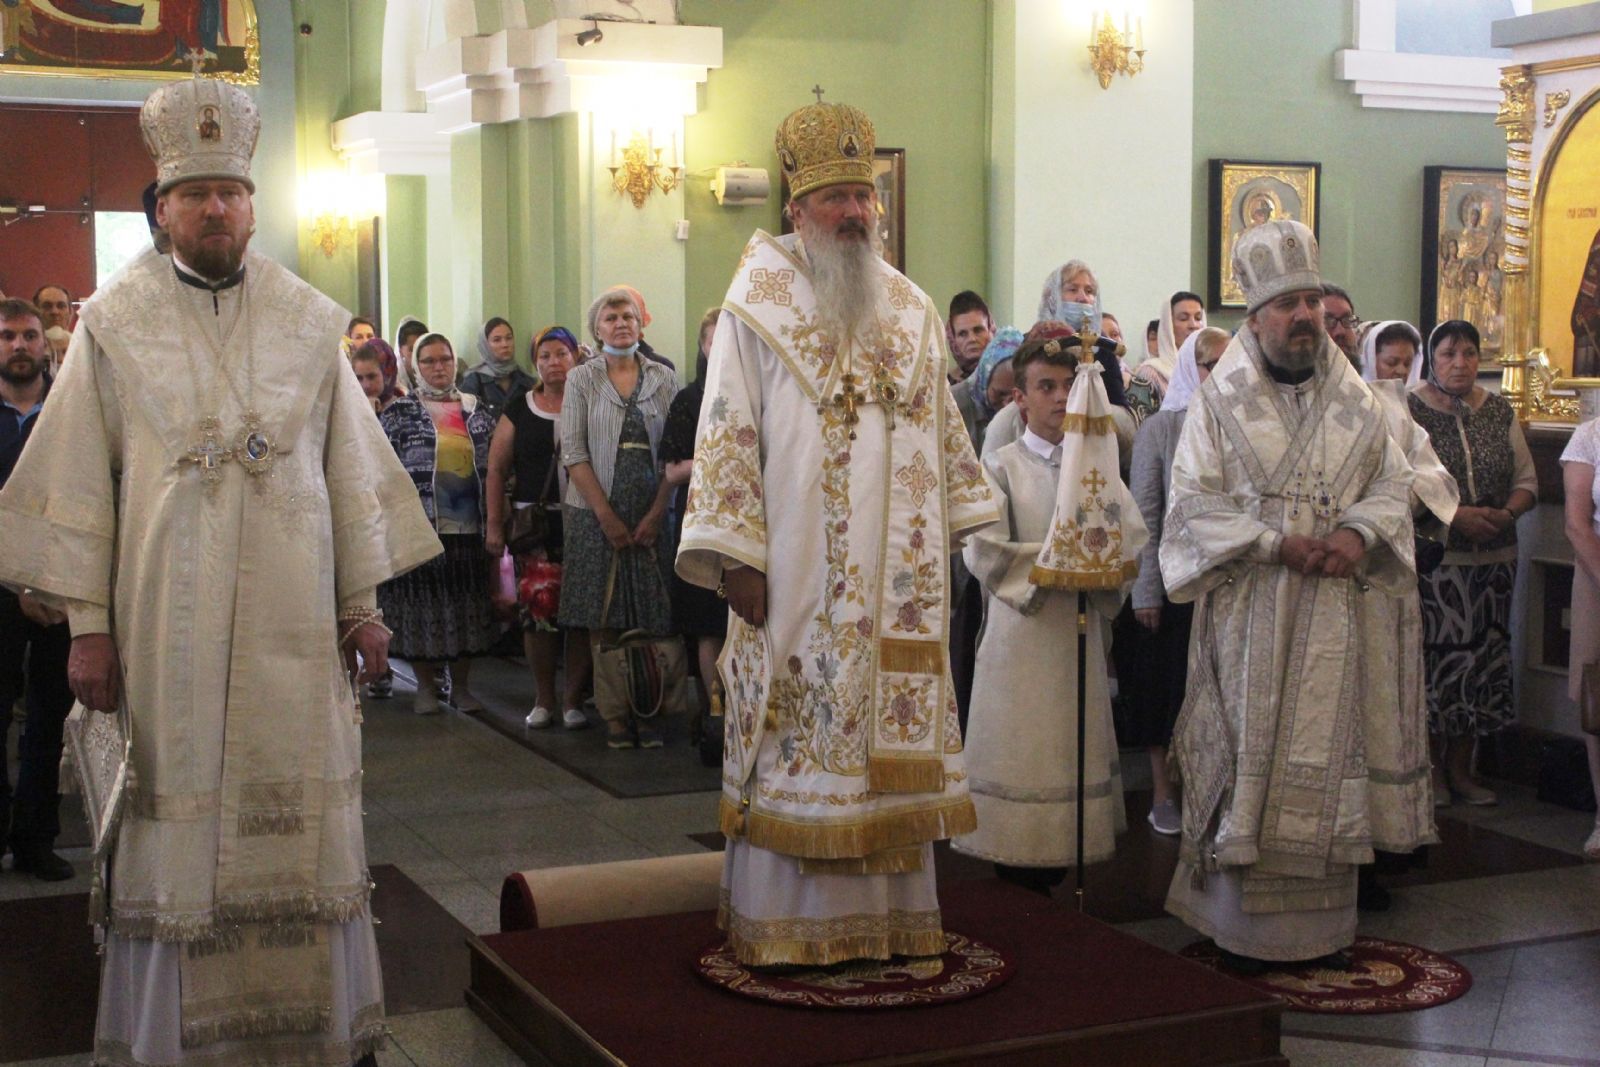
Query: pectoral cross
1320	499
849	397
209	455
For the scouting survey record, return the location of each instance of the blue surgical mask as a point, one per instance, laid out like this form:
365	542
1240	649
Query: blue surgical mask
629	351
1080	317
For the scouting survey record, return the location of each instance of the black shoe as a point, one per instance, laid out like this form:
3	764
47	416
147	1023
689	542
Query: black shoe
1243	966
44	865
1333	961
1373	897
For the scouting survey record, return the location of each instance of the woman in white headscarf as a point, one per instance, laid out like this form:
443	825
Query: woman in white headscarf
1392	351
1182	314
1151	642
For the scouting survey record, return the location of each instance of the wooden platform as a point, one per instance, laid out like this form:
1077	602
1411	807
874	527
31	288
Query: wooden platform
625	992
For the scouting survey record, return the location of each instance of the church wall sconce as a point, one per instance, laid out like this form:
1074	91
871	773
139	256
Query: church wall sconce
1113	51
637	170
334	204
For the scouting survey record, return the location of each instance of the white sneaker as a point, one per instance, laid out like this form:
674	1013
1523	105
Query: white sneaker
538	718
1164	818
425	702
574	719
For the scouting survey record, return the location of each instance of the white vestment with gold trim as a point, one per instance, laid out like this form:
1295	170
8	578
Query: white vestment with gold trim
237	922
843	472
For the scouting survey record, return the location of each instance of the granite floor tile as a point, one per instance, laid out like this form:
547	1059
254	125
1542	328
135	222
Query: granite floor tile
474	906
451	1038
1492	963
490	870
1548	1018
542	828
1575	962
1307	1052
1563	900
1436	924
1564	831
1468	1021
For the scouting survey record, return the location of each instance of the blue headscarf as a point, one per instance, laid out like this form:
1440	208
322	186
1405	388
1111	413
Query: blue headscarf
1001	347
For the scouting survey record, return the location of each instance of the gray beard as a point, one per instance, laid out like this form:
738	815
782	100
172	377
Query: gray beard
1287	359
846	282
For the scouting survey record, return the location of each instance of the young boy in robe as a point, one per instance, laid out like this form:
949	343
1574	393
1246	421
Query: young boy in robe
1021	744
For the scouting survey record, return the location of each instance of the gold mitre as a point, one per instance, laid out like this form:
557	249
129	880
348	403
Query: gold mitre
200	128
825	144
1274	258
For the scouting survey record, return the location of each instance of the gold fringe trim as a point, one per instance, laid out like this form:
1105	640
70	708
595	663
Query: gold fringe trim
902	656
837	950
879	833
271	823
217	941
287	935
1096	425
301	907
886	775
892	861
1048	578
245	1025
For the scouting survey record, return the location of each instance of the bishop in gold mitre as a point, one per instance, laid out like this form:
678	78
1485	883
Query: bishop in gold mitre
832	480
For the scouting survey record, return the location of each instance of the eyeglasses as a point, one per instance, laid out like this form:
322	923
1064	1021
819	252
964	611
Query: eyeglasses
1349	322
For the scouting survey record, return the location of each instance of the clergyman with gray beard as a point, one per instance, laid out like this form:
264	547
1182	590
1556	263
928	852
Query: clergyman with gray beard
1289	502
832	479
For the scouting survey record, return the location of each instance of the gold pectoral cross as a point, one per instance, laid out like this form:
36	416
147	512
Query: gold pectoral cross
849	396
1319	497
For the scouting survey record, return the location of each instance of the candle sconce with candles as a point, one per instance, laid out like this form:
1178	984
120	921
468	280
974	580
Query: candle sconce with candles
1113	51
639	171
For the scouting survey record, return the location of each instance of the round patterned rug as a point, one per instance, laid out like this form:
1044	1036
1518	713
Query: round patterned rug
968	968
1386	976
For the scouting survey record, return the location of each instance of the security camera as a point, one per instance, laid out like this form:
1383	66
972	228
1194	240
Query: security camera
593	35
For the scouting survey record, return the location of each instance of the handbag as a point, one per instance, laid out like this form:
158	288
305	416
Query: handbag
639	673
527	527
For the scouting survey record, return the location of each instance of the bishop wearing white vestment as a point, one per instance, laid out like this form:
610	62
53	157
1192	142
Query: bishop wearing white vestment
832	479
210	498
1290	503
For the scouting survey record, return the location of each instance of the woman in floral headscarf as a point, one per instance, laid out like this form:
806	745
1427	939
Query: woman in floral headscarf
988	388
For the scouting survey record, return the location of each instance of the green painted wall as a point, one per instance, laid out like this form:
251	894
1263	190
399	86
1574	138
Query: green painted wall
921	76
1265	89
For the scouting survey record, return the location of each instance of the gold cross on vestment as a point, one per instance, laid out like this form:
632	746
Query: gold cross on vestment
849	396
1094	482
209	455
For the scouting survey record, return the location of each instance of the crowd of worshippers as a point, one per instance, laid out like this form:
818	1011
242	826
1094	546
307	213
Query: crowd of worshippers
600	445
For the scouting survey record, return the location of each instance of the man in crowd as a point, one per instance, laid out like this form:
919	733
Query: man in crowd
210	500
832	479
55	305
1339	318
33	638
970	329
1289	502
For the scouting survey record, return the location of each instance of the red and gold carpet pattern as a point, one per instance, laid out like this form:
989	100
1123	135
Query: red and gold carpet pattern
968	968
1385	976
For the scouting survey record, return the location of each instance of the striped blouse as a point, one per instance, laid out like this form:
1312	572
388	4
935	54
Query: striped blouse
591	418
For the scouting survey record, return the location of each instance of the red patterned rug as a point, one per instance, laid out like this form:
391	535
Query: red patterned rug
968	968
1386	976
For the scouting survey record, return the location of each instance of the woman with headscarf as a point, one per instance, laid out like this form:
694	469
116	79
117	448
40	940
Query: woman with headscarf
616	501
1466	601
1391	351
497	378
698	614
988	388
442	611
525	466
1151	642
1181	315
388	370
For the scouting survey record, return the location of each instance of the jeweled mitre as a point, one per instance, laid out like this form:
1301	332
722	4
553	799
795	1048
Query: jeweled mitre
1274	258
825	144
200	128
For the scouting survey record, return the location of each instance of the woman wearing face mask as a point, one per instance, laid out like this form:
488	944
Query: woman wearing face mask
1181	315
616	501
497	378
1466	601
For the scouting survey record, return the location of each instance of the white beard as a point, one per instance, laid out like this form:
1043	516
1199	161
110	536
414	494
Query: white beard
846	281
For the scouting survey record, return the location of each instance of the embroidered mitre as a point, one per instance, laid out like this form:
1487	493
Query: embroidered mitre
200	128
825	144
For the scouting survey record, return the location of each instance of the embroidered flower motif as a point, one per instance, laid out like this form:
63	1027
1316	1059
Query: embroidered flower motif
1095	538
903	708
864	626
904	583
795	665
770	285
746	437
909	616
917	541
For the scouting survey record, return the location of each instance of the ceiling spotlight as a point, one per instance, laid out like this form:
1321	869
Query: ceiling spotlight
591	35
